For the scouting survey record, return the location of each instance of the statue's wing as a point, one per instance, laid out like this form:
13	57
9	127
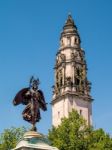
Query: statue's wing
19	98
42	102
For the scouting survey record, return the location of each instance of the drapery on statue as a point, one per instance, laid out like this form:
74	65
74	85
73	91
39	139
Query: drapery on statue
33	98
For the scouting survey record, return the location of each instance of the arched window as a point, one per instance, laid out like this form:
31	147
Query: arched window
76	40
61	81
77	81
80	112
62	43
78	71
58	114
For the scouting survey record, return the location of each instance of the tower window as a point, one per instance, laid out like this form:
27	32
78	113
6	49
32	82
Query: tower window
78	72
77	81
75	40
61	81
57	84
60	78
80	112
58	114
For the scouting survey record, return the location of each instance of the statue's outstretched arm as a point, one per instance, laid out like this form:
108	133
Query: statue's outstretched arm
42	102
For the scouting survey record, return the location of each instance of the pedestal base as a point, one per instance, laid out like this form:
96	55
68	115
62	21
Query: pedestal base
34	141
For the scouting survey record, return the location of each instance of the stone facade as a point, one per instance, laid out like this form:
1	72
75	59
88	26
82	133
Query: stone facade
72	88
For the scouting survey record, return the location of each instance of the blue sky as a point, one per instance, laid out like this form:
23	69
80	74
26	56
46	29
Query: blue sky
29	40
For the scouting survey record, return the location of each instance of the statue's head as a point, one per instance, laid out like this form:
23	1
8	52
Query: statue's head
34	83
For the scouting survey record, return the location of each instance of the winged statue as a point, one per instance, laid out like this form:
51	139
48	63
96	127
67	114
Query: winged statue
34	100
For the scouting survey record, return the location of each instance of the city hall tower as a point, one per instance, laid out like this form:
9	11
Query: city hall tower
71	89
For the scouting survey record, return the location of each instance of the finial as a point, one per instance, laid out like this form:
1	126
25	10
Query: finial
69	13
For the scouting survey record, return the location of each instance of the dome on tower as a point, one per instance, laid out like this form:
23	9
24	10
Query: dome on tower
69	22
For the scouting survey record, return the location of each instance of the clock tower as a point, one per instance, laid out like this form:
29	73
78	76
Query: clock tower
71	89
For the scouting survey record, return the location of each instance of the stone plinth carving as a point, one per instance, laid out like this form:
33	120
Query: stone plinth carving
34	141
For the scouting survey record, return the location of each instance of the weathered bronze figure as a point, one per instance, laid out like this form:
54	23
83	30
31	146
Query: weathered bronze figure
33	98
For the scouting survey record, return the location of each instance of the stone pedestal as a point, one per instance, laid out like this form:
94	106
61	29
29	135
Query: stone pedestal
34	141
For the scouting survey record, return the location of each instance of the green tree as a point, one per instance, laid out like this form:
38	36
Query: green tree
99	140
70	134
10	137
74	134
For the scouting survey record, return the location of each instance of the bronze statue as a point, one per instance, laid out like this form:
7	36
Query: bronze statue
33	98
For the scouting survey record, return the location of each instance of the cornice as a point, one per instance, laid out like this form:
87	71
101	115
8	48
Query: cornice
76	95
70	61
77	47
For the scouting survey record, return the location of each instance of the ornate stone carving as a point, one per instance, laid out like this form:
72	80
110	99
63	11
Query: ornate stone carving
80	76
81	53
83	73
59	79
61	58
68	81
55	90
88	87
74	55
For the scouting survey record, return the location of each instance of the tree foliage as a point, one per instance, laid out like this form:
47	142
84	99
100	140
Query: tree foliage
74	134
10	137
99	140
